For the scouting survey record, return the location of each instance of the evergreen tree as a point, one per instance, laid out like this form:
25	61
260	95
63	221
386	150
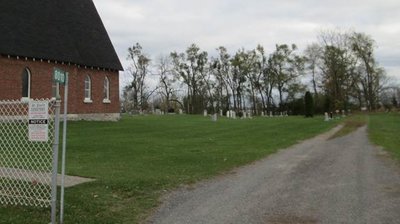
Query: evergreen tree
309	104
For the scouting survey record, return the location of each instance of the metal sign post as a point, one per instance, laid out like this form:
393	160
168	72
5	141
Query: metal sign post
64	146
55	165
60	77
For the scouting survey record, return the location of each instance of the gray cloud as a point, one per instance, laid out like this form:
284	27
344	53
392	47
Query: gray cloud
163	26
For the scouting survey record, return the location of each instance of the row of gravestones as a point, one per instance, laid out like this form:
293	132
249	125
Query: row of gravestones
271	114
230	114
330	116
160	112
246	114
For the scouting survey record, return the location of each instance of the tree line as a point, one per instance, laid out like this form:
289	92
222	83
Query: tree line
340	69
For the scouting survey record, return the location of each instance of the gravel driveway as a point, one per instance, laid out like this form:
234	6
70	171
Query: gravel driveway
343	180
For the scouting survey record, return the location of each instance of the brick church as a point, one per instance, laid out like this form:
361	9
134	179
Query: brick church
37	36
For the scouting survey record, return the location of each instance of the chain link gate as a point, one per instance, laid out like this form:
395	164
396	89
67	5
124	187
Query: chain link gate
25	166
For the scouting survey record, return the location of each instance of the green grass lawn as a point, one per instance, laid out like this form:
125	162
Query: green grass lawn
384	130
138	159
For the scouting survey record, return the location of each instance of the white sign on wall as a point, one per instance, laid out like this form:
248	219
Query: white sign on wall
38	121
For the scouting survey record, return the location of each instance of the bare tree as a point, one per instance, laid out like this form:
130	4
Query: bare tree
190	69
313	54
220	68
285	67
138	70
166	80
371	75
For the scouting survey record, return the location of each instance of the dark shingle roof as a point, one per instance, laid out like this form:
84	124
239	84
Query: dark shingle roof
62	30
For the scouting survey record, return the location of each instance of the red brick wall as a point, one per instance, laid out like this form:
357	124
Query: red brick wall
11	70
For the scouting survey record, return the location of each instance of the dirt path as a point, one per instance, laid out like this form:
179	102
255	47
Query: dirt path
343	180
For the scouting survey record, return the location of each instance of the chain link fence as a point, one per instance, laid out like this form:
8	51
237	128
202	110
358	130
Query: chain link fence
25	165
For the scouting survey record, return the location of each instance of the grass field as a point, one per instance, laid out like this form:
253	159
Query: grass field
139	158
384	130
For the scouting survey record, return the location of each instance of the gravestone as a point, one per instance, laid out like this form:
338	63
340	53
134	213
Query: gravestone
326	116
262	114
214	117
221	113
343	113
205	113
249	115
271	114
180	111
233	114
227	114
158	112
244	115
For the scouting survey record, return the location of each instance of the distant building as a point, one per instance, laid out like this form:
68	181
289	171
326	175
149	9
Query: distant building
36	36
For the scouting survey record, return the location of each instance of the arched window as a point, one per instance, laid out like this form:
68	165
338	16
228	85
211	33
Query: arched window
26	83
106	90
88	89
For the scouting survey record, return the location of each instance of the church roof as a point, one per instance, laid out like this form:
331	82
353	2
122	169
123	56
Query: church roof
61	30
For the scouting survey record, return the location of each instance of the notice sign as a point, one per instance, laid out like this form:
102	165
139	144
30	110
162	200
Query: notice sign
38	121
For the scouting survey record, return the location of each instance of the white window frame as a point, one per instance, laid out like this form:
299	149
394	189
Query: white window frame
55	90
106	90
87	99
26	98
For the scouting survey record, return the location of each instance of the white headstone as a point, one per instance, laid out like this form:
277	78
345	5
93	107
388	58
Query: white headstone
214	117
271	114
281	114
227	114
244	114
221	113
326	116
262	113
205	113
249	115
343	113
158	112
233	114
180	111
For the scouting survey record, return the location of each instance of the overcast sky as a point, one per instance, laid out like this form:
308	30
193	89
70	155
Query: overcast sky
162	26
